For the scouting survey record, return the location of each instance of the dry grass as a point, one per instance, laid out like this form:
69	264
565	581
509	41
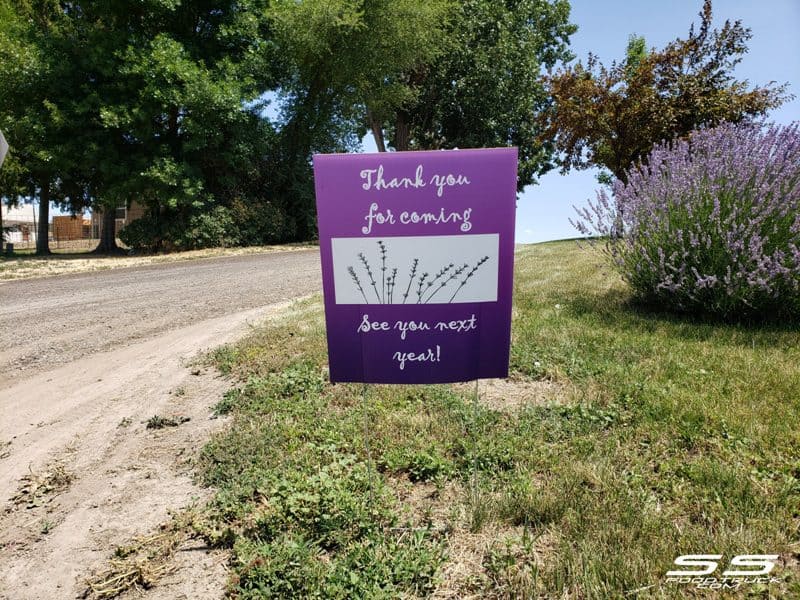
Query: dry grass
434	505
140	564
37	489
498	561
509	395
27	266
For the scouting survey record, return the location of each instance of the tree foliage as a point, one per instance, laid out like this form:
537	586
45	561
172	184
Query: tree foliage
110	102
612	116
168	95
34	77
432	75
162	101
486	89
343	69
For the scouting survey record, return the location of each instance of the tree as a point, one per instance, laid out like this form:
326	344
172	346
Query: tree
110	102
486	89
343	70
439	74
168	90
611	117
33	80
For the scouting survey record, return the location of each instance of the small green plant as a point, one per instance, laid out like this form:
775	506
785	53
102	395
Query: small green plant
511	569
228	402
420	464
159	422
46	527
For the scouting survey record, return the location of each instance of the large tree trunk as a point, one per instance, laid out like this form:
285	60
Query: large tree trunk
377	131
402	132
43	231
108	232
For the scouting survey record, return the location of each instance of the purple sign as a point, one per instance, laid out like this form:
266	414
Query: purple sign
417	254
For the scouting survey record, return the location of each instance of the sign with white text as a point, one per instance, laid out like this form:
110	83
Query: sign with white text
417	253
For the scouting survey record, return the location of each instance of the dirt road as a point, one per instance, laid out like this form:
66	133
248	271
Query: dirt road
86	361
57	320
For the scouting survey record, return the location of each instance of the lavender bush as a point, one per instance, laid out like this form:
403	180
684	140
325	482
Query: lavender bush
710	224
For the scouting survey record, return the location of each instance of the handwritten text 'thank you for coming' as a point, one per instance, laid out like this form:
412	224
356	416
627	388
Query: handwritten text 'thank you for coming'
375	179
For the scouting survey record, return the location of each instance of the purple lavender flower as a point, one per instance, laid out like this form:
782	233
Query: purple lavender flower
711	223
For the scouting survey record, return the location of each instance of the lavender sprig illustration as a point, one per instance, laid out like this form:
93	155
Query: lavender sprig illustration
420	285
390	285
468	276
427	286
411	278
369	272
438	276
382	246
357	281
454	275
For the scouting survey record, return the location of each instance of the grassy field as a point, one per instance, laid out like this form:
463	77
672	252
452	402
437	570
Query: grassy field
623	439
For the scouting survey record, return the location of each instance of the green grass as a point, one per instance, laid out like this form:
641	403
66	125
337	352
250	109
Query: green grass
664	436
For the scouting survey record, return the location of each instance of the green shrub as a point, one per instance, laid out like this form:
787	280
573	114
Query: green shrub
259	222
144	233
211	229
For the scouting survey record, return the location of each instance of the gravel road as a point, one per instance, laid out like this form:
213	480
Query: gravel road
45	323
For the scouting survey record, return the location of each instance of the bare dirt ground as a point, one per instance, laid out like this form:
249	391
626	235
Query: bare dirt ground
87	360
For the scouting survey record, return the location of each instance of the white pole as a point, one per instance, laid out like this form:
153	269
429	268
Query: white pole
3	152
3	148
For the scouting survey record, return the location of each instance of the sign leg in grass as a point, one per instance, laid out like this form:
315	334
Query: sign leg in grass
474	483
367	428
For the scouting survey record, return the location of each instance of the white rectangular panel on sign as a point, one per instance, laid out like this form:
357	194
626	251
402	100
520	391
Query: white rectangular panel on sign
416	270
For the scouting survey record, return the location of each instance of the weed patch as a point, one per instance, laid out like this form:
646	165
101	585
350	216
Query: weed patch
38	489
159	422
140	564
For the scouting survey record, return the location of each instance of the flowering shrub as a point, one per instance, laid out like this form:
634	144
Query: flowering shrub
710	224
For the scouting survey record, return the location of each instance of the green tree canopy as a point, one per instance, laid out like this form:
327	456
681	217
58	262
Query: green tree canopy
34	79
439	74
168	89
155	101
486	89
